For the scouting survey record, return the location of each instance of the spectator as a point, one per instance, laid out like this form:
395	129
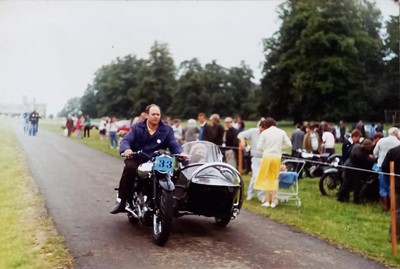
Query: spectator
26	122
342	129
311	142
166	119
231	142
102	128
360	157
113	132
355	138
270	143
380	151
78	127
328	140
239	124
87	125
253	135
69	125
191	131
178	133
297	141
217	130
360	126
34	121
205	132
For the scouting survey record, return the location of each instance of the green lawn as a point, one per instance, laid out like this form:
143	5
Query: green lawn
27	236
361	228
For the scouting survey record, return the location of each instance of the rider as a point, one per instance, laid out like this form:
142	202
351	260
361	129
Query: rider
148	136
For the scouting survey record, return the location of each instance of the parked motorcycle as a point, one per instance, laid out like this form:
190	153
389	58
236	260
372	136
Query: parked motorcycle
331	178
152	201
317	163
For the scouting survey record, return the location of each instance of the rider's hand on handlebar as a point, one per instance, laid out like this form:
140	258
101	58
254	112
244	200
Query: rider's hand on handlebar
128	153
182	157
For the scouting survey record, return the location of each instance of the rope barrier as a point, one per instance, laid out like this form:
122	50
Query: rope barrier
341	166
324	163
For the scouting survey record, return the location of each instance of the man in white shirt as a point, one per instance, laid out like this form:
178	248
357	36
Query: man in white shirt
380	151
253	135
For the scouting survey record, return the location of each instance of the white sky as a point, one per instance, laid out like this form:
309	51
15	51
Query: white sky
50	50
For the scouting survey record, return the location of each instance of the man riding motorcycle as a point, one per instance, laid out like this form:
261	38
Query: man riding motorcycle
148	136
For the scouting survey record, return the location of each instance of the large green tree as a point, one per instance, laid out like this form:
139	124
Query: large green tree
390	95
325	61
156	80
113	82
191	96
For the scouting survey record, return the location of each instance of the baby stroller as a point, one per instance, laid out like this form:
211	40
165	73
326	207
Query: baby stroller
288	188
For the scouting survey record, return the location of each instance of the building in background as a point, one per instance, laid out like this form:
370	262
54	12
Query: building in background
16	110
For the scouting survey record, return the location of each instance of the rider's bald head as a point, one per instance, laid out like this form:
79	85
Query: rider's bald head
150	106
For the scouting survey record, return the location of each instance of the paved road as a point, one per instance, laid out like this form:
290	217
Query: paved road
77	183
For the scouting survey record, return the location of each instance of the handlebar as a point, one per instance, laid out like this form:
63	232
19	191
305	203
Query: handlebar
178	156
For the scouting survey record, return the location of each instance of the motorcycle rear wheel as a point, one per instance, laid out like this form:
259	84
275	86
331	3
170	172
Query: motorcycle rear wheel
162	218
329	184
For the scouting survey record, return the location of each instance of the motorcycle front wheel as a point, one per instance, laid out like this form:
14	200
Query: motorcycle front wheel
222	221
329	184
162	218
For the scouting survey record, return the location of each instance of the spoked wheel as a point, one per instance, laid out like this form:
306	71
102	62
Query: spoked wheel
222	221
162	218
329	184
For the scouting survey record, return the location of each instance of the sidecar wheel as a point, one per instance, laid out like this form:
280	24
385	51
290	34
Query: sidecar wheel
223	220
162	218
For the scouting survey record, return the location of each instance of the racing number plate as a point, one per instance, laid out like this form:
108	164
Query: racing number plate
164	164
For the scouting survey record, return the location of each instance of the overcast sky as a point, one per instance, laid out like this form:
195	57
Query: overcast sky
50	50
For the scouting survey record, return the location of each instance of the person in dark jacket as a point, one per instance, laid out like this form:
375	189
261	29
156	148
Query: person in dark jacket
355	138
205	131
148	136
231	142
360	157
217	130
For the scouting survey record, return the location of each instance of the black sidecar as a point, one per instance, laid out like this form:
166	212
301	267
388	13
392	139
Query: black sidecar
204	185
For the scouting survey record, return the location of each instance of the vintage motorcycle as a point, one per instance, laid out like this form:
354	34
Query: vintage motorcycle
200	185
316	164
152	200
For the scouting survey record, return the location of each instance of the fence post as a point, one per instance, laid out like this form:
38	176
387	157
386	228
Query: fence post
240	160
393	209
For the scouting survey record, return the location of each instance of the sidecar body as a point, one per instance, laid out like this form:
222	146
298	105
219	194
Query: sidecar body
204	185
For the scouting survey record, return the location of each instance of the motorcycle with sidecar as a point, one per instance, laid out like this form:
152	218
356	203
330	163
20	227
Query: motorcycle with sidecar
200	185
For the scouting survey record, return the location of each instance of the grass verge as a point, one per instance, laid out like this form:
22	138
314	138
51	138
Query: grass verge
27	235
360	228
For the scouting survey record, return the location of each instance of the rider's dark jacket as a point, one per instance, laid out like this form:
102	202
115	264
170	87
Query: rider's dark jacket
138	138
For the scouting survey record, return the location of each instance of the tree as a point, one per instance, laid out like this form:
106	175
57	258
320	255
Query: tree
113	84
156	80
89	103
390	95
191	96
317	64
71	107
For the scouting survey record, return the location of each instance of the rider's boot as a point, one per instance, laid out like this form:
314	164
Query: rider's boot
119	207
